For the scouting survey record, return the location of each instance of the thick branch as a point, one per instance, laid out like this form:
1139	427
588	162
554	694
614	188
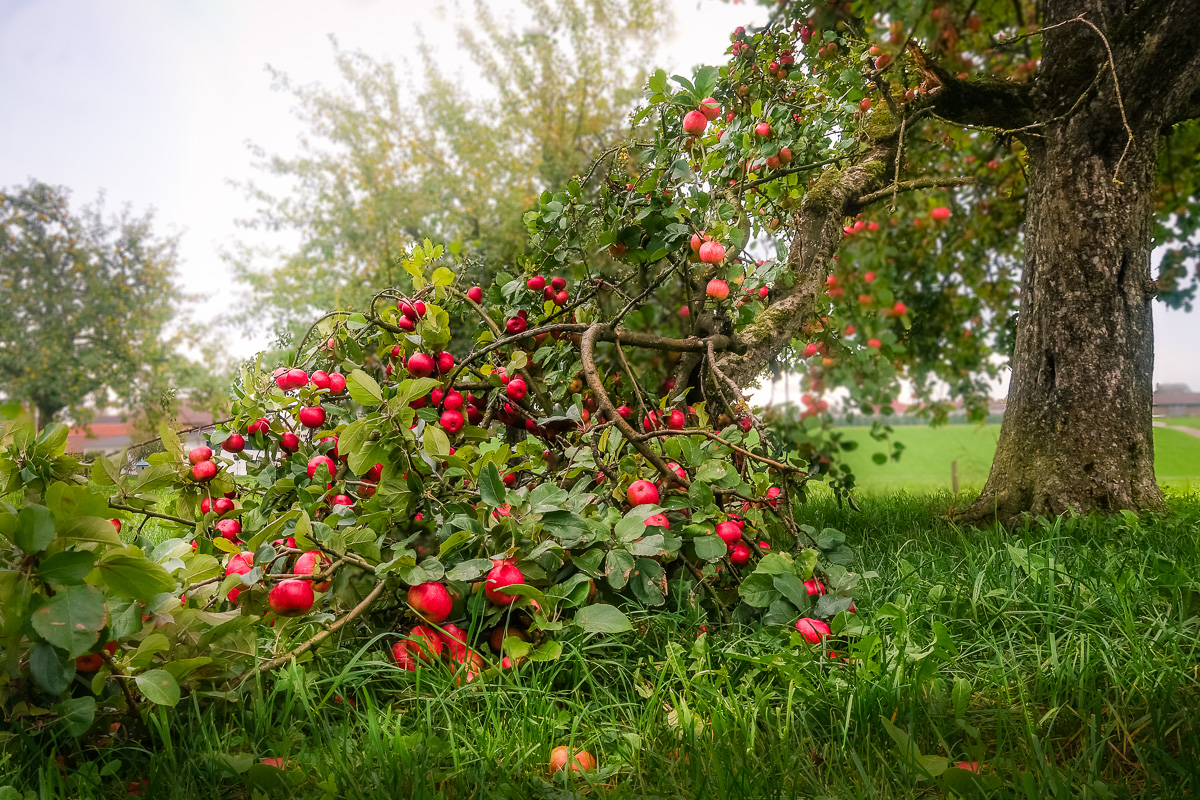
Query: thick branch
817	236
586	355
987	102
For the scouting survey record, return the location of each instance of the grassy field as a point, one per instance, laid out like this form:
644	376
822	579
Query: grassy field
925	464
1063	658
1183	422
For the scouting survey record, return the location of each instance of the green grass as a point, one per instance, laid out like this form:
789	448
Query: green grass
1183	422
926	462
1073	646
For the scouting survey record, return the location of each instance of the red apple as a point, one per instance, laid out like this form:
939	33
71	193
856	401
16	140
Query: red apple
717	289
558	283
642	493
229	528
310	563
677	420
694	122
289	442
451	421
341	500
234	444
291	598
431	601
763	129
739	554
222	506
658	521
814	630
261	425
515	325
445	363
204	471
710	108
199	454
730	533
580	760
323	463
475	293
297	378
502	574
312	416
337	383
712	252
516	389
428	642
940	213
537	283
420	365
320	379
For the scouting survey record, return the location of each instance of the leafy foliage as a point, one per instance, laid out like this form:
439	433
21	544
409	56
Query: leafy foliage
390	163
88	303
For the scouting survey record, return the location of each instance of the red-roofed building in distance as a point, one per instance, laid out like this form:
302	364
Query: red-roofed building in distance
1176	400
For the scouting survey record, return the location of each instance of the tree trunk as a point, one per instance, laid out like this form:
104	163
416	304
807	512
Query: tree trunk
1077	430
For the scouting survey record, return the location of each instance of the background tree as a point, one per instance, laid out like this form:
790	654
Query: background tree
87	305
390	163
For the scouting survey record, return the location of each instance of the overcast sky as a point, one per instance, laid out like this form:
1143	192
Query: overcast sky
154	103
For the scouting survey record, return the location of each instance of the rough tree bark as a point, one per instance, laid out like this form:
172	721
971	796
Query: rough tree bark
1077	432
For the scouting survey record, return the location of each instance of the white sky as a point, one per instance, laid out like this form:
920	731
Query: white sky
154	102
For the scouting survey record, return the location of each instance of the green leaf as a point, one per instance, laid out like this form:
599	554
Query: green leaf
648	582
51	668
758	590
69	566
602	618
709	548
549	650
618	565
52	439
90	529
491	488
72	619
793	589
775	564
469	570
363	389
159	687
437	444
701	495
35	529
136	577
76	714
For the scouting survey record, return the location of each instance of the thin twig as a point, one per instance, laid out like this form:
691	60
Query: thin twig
323	635
156	514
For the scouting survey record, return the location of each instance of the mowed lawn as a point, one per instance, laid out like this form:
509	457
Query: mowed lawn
929	453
